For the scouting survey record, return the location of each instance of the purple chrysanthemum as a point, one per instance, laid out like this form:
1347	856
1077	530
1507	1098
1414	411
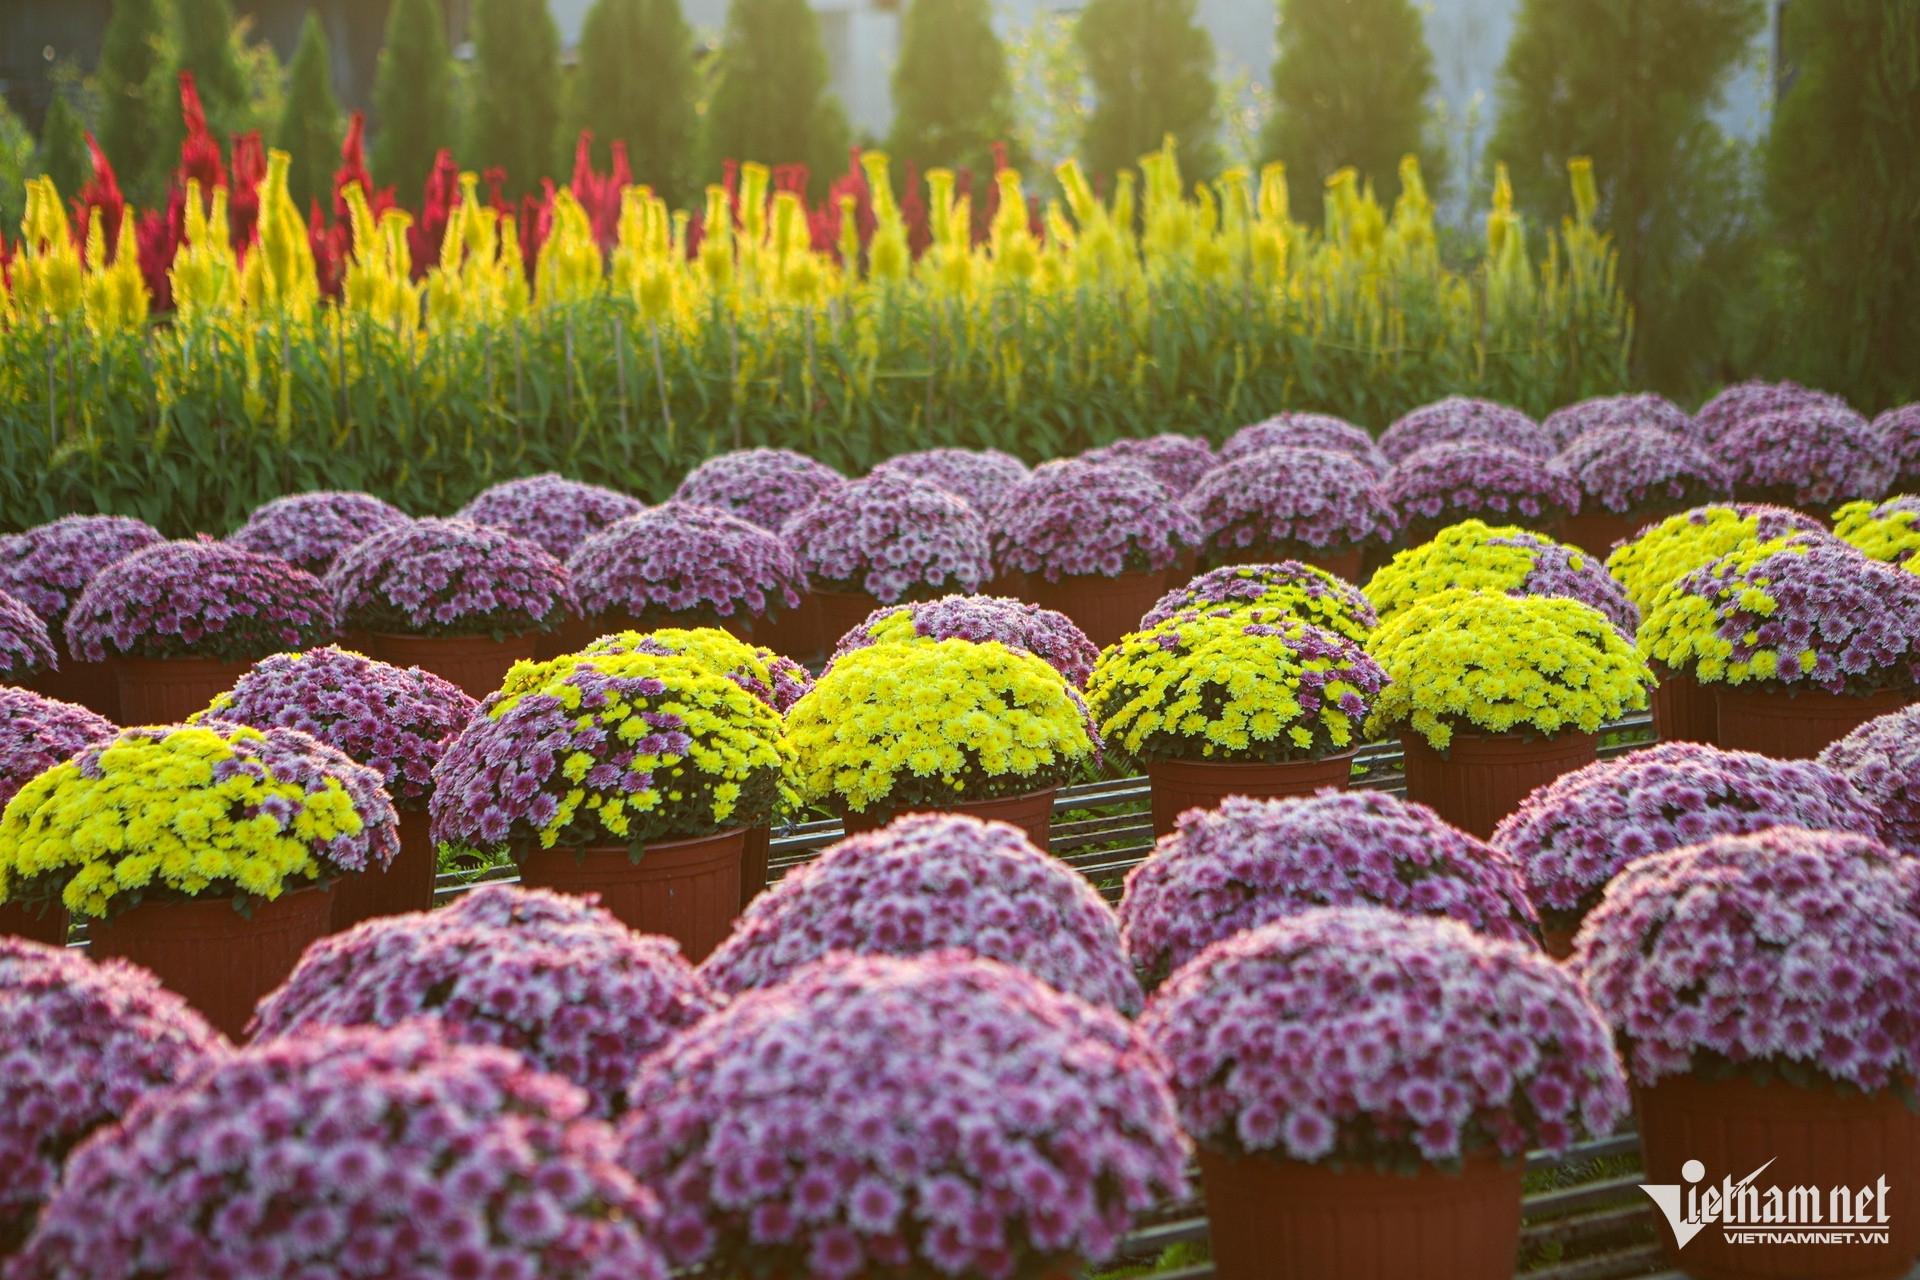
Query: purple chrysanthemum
47	567
37	733
1074	518
764	486
1463	418
679	562
25	647
1637	469
1306	431
1176	461
1745	400
1044	633
1882	760
1808	457
1282	503
978	477
448	577
1568	423
310	530
1446	483
892	537
549	510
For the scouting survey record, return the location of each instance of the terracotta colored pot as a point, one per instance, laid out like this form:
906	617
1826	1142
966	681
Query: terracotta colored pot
220	960
1283	1220
406	885
1485	776
1813	1138
168	690
478	664
1558	943
795	634
1597	531
1180	785
1010	583
1348	564
753	863
1684	710
35	924
1105	608
90	684
841	612
688	889
1032	813
1796	726
573	635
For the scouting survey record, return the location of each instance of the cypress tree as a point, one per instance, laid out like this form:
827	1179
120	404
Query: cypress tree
1633	83
770	101
309	126
516	90
412	96
636	82
204	35
1151	66
1350	87
63	148
951	95
1843	179
136	99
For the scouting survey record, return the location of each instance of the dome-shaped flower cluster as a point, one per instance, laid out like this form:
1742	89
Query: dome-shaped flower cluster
448	577
1882	760
1636	469
1072	518
893	537
201	598
1176	461
1306	431
1482	557
1888	531
1463	418
549	511
1682	543
1046	634
1569	422
1445	483
25	647
678	561
1251	862
37	733
779	682
310	530
933	882
47	567
1309	593
1279	504
978	477
1900	428
1810	457
764	486
1745	400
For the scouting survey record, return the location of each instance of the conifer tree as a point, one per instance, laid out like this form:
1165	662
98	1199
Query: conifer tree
1350	87
136	96
516	90
309	126
204	40
770	101
952	99
636	82
1151	66
412	96
63	148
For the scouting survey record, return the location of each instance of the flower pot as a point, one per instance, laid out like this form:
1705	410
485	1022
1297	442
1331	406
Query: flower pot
1485	776
1814	1138
1273	1219
1558	943
573	635
89	684
1032	813
753	863
687	889
35	924
478	664
1180	785
405	885
1105	608
1796	726
1684	710
168	690
840	612
795	633
1010	583
220	960
1596	532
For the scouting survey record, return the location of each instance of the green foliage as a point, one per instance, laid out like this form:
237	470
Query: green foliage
516	90
770	101
951	96
1631	83
16	166
1351	88
206	45
1151	65
412	97
1843	178
137	93
309	126
1049	79
63	147
636	82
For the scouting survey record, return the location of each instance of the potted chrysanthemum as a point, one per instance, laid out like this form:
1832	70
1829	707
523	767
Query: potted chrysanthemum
1250	862
1353	1069
396	722
1632	475
1483	557
1045	633
933	882
937	1115
204	852
551	976
462	600
883	540
948	726
1746	400
1493	695
1309	594
1444	484
1812	459
26	650
550	511
1306	431
1900	428
1176	461
1882	760
46	568
1646	563
764	486
1643	409
37	733
184	620
1574	835
1763	989
978	477
411	1156
1255	704
84	1042
310	530
1887	531
1464	418
1093	541
1317	506
1802	640
633	775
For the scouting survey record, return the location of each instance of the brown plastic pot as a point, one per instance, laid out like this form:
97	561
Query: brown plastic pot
1032	813
1105	608
688	889
220	960
1597	531
572	635
1814	1138
1796	726
1558	943
795	633
405	885
47	923
90	684
754	854
1484	776
168	690
840	612
1283	1220
1684	710
1180	785
478	664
